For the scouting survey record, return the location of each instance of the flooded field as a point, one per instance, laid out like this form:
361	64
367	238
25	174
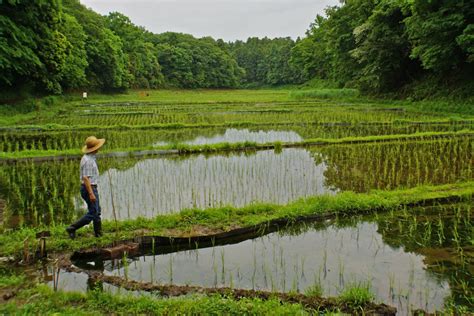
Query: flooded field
410	258
148	187
18	141
387	251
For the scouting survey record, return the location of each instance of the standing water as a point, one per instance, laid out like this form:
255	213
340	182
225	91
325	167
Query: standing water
402	263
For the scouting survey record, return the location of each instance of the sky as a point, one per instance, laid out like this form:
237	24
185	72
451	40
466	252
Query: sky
229	20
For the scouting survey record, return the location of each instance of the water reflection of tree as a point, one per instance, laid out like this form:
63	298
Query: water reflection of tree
443	235
363	167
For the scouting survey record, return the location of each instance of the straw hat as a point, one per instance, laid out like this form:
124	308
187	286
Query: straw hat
92	144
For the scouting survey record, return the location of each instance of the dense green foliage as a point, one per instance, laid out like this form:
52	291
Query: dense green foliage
32	47
381	46
378	46
195	63
266	61
55	46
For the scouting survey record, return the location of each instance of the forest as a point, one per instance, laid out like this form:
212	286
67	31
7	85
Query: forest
415	48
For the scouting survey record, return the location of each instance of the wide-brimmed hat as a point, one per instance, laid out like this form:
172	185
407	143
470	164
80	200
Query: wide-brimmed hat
92	144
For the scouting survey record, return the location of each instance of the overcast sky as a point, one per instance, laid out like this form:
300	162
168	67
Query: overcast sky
225	19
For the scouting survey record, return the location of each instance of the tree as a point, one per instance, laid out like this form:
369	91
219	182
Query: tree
383	50
31	44
195	63
74	72
439	33
309	54
107	62
141	55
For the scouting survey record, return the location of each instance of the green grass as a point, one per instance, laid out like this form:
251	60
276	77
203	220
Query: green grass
8	280
324	93
227	218
55	110
187	96
230	124
41	300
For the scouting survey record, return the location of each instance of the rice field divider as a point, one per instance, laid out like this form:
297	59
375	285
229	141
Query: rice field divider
170	290
175	149
230	124
242	219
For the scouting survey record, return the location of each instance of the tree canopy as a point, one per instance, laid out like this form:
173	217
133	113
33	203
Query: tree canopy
378	46
384	45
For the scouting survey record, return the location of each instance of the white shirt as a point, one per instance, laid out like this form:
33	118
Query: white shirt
89	168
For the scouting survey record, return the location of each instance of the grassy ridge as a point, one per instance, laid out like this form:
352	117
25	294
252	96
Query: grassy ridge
235	124
184	148
42	300
228	218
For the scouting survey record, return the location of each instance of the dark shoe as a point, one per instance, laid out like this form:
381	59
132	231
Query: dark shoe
71	230
98	228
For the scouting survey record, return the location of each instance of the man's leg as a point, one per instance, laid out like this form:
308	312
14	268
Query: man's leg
97	220
86	219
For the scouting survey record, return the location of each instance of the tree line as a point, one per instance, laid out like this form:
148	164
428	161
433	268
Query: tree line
56	46
378	46
382	46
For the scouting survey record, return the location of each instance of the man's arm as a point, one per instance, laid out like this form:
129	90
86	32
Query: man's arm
87	183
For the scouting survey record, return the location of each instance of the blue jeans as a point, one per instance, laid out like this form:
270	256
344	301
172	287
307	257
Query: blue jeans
93	213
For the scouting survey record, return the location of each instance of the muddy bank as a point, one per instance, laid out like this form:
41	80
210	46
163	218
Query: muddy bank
169	290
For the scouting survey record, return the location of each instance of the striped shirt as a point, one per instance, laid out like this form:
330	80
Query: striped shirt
89	168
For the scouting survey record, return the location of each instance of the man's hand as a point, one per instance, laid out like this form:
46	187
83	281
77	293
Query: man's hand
88	185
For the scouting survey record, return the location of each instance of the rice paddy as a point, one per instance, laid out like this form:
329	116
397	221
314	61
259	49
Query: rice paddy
331	255
414	258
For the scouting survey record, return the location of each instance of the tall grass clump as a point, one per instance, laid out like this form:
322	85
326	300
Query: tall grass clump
357	294
315	290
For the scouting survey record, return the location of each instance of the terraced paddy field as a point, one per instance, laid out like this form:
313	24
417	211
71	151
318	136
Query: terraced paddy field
249	192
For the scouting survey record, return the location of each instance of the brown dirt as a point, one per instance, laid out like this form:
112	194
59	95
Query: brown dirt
6	295
437	255
196	230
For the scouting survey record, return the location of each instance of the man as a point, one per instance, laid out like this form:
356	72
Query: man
89	179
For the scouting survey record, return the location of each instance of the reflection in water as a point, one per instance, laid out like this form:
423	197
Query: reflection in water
157	186
233	135
334	258
444	236
413	258
120	139
47	193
